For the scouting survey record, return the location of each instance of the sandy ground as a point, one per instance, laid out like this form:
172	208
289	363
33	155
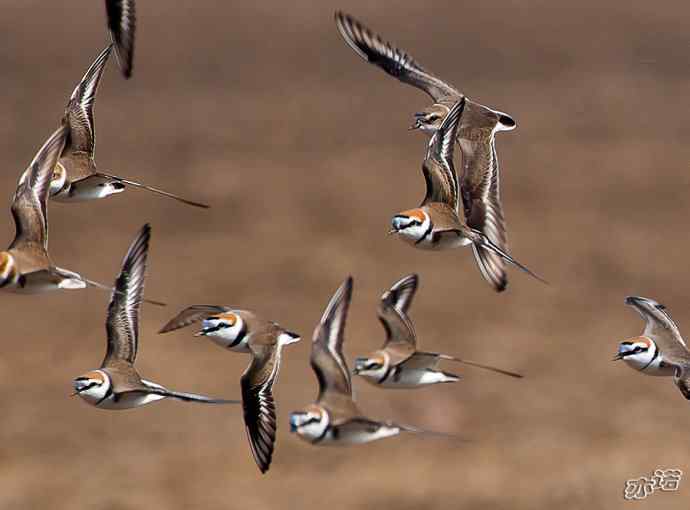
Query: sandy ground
303	152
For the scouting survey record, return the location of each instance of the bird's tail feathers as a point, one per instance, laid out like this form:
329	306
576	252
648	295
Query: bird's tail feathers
193	397
153	190
432	433
486	243
480	365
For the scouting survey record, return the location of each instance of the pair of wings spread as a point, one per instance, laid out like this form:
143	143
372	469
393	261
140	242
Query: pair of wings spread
328	361
480	181
256	382
29	206
663	330
123	332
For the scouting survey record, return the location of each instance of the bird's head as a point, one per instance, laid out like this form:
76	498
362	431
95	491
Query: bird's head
93	386
310	424
371	367
429	120
412	225
637	352
227	329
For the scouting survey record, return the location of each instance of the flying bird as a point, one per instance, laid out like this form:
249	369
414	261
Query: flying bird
244	331
76	176
117	384
26	266
335	419
480	189
437	223
660	350
399	364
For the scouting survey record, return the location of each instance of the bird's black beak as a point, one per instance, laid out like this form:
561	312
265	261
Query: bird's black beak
618	357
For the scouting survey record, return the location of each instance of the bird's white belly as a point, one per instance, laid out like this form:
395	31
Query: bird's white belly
654	368
89	189
41	282
445	241
413	378
350	435
225	340
129	401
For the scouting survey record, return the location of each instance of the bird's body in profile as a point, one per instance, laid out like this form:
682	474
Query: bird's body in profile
117	384
26	266
76	177
660	350
479	185
335	419
399	364
437	224
243	331
122	22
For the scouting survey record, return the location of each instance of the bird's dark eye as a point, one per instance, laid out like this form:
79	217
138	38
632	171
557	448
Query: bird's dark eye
87	387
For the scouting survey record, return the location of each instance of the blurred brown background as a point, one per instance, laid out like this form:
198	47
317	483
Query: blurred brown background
303	152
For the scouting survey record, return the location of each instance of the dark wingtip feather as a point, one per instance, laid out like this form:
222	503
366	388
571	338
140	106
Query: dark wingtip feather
260	425
123	39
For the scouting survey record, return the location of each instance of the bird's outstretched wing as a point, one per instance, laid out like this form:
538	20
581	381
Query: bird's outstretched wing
192	314
122	21
439	169
29	205
79	110
396	62
122	324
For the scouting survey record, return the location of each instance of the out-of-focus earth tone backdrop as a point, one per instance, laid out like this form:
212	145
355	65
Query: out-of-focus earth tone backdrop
303	152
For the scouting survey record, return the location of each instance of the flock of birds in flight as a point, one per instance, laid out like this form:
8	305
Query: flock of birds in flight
64	170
